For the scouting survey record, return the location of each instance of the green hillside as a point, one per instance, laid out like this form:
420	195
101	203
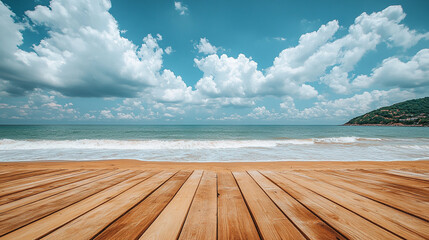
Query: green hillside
409	113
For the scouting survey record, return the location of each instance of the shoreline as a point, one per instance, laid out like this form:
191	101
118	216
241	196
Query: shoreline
383	125
216	166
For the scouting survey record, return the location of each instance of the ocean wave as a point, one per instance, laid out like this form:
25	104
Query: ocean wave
9	144
345	139
415	147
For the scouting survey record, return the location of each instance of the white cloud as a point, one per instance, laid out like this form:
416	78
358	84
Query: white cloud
347	107
225	118
88	116
39	105
205	47
106	114
82	55
168	50
172	89
182	9
263	113
395	73
126	116
280	38
364	35
228	77
297	67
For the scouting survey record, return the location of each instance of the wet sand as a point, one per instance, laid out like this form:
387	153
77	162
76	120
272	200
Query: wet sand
218	166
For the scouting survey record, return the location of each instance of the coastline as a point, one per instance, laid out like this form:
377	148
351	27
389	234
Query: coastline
217	166
384	125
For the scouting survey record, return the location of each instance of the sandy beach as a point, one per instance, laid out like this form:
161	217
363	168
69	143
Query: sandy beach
422	165
130	199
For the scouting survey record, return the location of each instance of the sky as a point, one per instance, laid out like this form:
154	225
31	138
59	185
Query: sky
209	62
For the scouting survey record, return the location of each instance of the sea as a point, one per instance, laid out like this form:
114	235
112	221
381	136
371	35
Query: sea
197	143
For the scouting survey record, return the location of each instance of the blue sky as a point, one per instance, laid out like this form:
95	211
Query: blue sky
209	62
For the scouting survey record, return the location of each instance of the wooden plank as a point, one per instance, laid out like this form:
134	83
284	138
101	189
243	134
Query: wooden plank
31	177
404	186
20	174
76	176
23	184
89	224
392	178
304	219
398	222
132	224
234	219
59	190
412	185
24	215
45	225
271	222
349	224
169	223
386	196
202	217
409	174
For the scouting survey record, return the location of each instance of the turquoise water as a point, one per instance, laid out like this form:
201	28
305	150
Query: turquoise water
213	143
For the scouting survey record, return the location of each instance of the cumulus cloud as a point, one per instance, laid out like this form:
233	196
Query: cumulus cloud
106	114
228	76
263	113
40	105
82	55
347	107
395	73
205	47
368	31
318	57
182	9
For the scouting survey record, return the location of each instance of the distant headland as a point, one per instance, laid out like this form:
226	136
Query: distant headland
409	113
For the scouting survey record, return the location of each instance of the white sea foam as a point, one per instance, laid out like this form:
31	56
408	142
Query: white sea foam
9	144
312	149
343	139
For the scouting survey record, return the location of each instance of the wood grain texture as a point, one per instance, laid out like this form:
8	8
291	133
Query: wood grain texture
42	227
412	175
413	189
234	219
169	223
389	218
26	183
36	197
312	226
271	222
14	175
344	221
155	203
395	179
89	224
45	187
132	224
26	214
406	203
202	217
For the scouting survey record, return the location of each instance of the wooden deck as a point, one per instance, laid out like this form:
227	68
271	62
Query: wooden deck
196	204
